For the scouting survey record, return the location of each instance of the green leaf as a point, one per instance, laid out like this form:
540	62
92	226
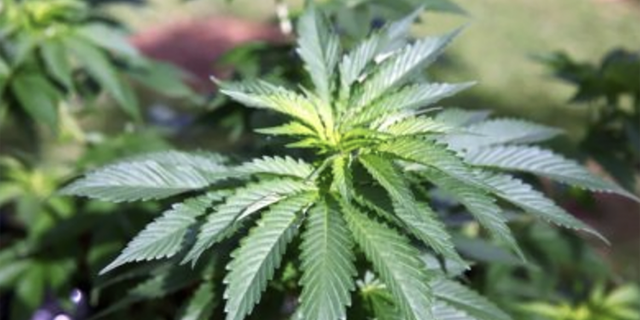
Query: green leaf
327	264
143	178
480	205
280	166
396	261
342	179
56	59
414	126
410	97
261	94
164	237
524	196
354	63
466	300
99	67
429	153
165	79
443	311
419	219
459	117
109	38
319	48
201	304
541	162
500	131
293	128
260	254
163	282
228	217
402	65
38	98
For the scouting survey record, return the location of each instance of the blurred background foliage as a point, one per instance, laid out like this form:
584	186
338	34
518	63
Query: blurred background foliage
572	64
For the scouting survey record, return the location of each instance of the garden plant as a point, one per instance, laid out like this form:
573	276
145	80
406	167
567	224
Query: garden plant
348	228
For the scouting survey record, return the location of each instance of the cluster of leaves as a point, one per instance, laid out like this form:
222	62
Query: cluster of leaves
41	261
57	53
612	90
619	304
362	196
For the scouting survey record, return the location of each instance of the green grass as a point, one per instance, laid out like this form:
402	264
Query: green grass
503	35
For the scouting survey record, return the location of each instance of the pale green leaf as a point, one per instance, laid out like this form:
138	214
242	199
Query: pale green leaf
293	128
459	117
443	311
327	264
56	60
419	219
102	70
200	306
279	166
267	96
144	178
260	254
467	300
397	263
500	131
524	196
416	125
108	38
164	237
541	162
38	97
410	97
319	49
246	201
402	65
480	205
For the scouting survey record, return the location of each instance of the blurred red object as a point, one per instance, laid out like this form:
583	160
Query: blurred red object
195	45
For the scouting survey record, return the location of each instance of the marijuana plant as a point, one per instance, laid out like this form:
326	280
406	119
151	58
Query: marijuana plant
377	149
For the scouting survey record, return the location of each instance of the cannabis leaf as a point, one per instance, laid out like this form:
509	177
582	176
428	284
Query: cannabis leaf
377	146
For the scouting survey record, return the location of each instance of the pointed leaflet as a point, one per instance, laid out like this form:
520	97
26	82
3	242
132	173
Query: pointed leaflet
229	216
38	97
499	131
420	220
108	38
143	178
200	306
293	128
467	300
260	254
56	61
165	236
479	204
280	166
443	311
354	63
102	70
429	153
408	98
524	196
459	117
342	181
327	264
319	48
260	94
399	67
416	125
541	162
396	261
